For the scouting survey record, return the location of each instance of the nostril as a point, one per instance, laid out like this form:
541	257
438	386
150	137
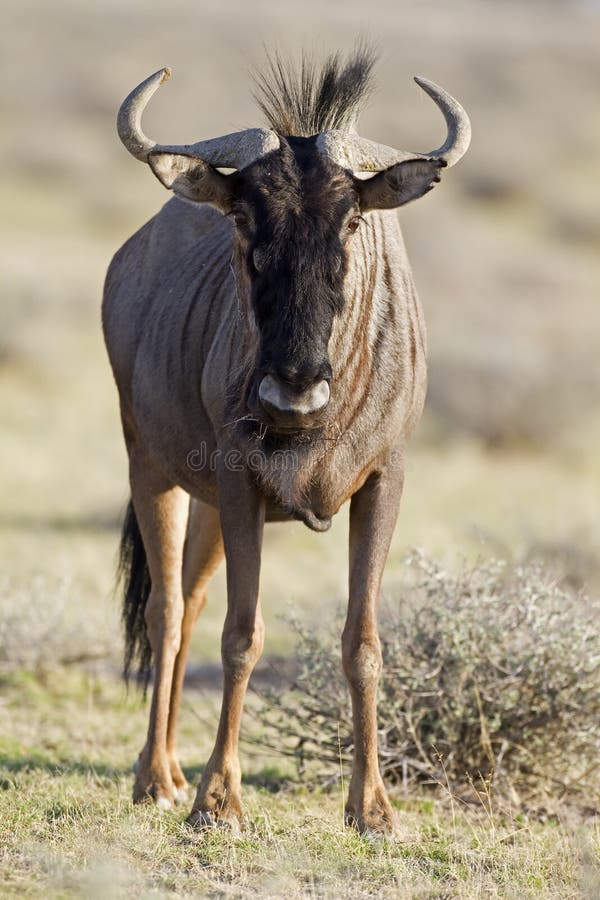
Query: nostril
300	378
275	395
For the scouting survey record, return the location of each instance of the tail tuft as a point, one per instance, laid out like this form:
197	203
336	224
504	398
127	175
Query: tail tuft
134	575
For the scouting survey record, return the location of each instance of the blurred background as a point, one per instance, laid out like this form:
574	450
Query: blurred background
505	253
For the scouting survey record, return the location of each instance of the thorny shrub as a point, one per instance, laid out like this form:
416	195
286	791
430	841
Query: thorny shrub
492	674
45	625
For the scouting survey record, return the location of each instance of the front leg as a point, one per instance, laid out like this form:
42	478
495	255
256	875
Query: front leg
373	513
242	510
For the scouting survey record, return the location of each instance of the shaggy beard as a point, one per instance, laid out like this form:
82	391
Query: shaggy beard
283	464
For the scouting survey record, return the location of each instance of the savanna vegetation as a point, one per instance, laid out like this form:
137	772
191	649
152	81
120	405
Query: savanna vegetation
489	707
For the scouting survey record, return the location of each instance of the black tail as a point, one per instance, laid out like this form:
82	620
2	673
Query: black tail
135	578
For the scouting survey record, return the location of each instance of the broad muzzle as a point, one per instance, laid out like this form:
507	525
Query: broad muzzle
288	407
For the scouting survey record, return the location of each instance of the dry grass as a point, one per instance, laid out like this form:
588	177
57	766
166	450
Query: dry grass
68	828
491	681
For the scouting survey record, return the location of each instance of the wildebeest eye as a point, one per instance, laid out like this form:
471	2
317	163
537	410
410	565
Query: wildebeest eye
354	223
239	217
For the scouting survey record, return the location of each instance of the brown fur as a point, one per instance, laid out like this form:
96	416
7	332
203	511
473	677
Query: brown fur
178	339
296	277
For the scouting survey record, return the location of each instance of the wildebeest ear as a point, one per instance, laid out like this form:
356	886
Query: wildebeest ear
192	178
399	184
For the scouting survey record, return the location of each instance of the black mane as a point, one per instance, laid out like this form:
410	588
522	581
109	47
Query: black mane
307	100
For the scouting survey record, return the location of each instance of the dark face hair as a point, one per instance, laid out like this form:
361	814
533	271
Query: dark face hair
294	213
295	210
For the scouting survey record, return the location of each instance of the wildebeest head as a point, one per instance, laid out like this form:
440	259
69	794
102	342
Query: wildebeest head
295	202
294	212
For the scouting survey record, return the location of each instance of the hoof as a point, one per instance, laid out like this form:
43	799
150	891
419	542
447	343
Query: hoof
203	819
372	832
166	788
153	786
372	816
371	836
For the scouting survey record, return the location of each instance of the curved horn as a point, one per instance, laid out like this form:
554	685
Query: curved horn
129	118
459	126
360	155
232	151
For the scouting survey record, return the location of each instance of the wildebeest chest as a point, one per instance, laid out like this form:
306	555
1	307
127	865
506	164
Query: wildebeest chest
197	356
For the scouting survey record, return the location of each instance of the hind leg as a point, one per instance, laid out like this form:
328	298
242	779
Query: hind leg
202	555
162	513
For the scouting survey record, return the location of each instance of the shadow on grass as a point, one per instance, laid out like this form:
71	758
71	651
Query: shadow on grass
59	767
269	779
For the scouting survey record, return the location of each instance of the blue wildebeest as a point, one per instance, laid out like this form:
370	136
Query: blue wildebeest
268	315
